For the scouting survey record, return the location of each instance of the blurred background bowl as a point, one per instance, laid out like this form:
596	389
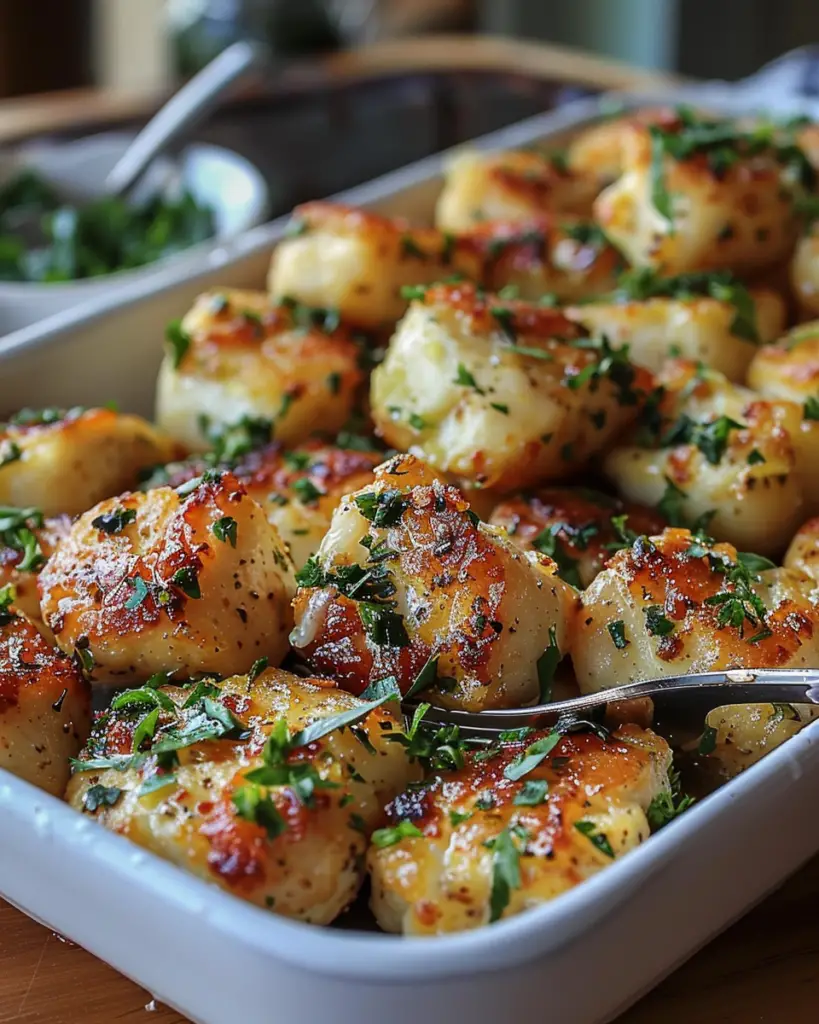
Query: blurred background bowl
217	177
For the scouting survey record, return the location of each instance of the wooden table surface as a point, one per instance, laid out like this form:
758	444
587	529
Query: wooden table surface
764	969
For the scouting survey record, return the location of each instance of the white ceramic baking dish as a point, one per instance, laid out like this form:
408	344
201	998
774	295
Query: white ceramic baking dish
579	960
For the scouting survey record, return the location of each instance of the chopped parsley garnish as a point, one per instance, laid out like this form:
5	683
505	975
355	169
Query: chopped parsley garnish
383	837
532	793
505	318
740	603
232	441
671	504
708	741
466	380
586	233
6	597
617	632
669	804
710	438
416	422
256	669
254	804
334	383
612	364
598	839
10	452
382	625
226	530
382	508
306	491
532	756
643	283
505	872
457	818
549	543
114	522
500	407
17	527
625	536
100	796
656	622
409	247
810	410
306	318
547	666
756	458
187	580
425	678
179	341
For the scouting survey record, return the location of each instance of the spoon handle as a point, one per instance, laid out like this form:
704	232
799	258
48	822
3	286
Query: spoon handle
195	99
680	695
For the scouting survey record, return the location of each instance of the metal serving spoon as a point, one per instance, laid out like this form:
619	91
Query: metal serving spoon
183	110
677	700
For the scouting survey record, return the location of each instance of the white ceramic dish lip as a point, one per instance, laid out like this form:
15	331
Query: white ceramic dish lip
359	956
199	166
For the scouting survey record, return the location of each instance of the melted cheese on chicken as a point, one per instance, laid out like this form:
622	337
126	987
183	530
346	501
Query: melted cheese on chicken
60	460
711	448
501	393
701	329
358	263
482	846
672	604
738	213
45	705
576	527
244	357
408	582
197	582
509	186
286	834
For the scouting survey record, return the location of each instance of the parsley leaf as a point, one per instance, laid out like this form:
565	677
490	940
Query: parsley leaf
598	839
505	872
384	837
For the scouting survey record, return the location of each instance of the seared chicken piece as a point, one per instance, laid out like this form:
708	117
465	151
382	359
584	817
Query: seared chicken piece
358	263
789	369
45	703
712	318
65	460
580	529
703	195
502	394
708	448
27	540
803	553
197	581
298	488
237	356
675	603
805	273
408	583
597	151
562	258
249	784
737	736
474	845
510	186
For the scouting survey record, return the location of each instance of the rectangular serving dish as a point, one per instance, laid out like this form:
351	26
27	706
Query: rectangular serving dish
578	960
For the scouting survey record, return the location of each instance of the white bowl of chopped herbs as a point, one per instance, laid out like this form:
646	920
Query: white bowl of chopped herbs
90	242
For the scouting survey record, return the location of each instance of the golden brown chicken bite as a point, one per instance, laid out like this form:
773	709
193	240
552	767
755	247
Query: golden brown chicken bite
699	194
789	370
408	583
712	318
267	784
65	460
299	488
579	528
557	258
501	393
493	839
708	448
45	703
238	356
597	151
27	540
357	262
803	551
510	186
676	603
804	273
194	580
